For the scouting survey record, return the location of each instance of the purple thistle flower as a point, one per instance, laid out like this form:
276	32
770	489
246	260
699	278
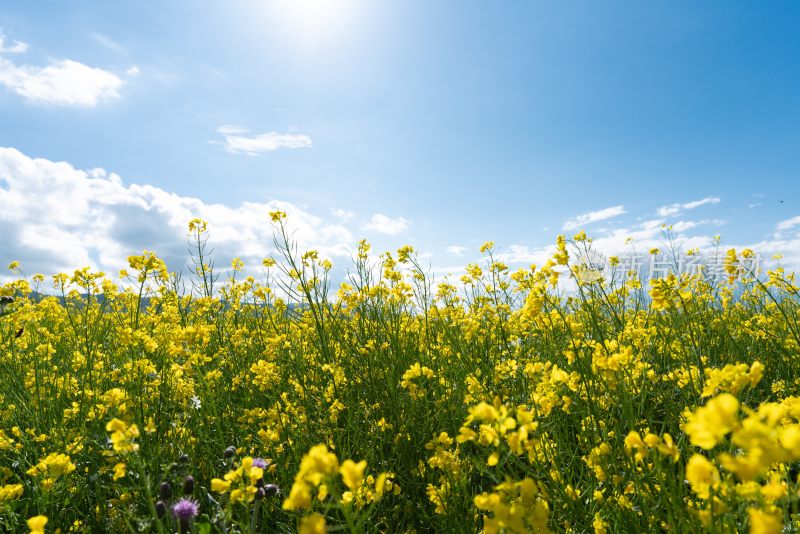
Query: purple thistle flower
260	462
185	509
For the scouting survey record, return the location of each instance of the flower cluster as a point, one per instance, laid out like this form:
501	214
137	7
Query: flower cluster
51	468
318	471
408	382
766	441
123	436
242	483
514	507
317	467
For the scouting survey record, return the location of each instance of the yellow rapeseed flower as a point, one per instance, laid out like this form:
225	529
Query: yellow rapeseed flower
122	436
709	424
277	215
119	471
702	475
353	473
11	491
36	524
762	522
312	524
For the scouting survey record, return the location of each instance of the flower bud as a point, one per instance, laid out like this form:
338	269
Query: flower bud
271	490
165	491
161	509
188	485
229	452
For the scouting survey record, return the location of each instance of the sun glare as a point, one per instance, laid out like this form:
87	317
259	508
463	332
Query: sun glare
315	20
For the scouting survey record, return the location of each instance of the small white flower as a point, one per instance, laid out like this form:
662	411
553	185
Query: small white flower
195	402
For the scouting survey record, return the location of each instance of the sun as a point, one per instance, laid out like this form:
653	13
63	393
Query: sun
315	19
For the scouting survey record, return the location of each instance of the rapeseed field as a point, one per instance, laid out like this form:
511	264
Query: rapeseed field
500	402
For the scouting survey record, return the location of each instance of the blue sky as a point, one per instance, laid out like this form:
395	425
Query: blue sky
438	124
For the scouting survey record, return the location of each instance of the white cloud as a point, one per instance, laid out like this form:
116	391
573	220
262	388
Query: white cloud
342	214
672	209
386	225
682	226
640	237
594	216
62	83
238	143
108	42
788	223
650	234
456	250
55	217
17	47
133	71
646	235
523	254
